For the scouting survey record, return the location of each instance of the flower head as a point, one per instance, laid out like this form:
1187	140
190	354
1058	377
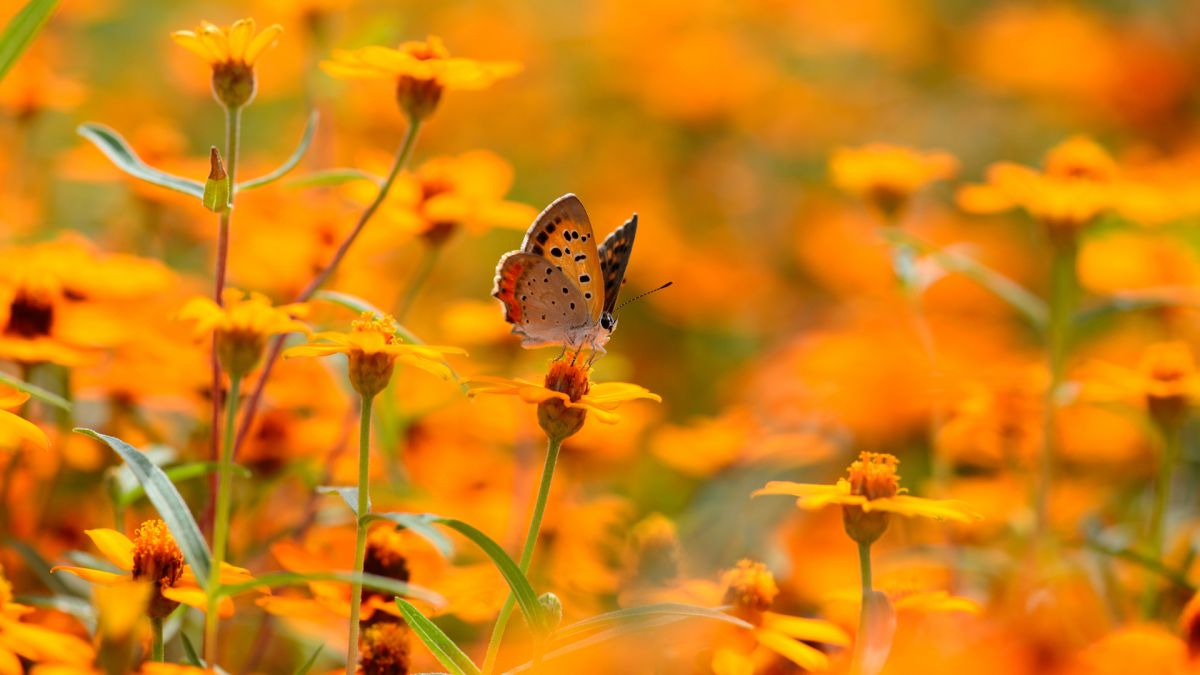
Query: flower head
869	494
243	322
422	71
232	52
383	646
157	558
566	396
373	347
1165	380
888	175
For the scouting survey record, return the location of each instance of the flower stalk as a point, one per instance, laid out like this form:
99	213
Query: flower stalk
221	524
156	641
360	539
1064	292
860	641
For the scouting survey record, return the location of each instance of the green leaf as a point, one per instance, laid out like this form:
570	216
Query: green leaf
373	581
177	474
348	495
675	610
309	129
189	652
35	391
165	497
526	598
333	177
421	524
120	154
21	30
303	670
447	653
1140	300
1033	307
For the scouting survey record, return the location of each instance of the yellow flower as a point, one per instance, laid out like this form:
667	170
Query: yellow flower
750	589
152	555
888	175
38	644
1079	182
373	348
232	52
566	396
870	492
1165	379
422	70
242	324
16	431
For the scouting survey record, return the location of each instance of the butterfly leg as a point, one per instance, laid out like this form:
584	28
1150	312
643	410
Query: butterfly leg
562	353
597	352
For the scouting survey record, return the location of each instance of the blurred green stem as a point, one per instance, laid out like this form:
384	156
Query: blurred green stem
360	539
860	639
221	524
424	268
1156	535
156	641
1064	292
535	527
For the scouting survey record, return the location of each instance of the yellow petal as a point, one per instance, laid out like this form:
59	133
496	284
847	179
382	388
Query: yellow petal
797	652
114	545
217	42
811	630
24	430
262	42
192	42
194	597
94	576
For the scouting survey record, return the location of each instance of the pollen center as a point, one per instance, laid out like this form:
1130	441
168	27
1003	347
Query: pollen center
568	378
874	476
156	556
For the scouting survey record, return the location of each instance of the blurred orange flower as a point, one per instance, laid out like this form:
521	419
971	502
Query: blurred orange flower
239	45
888	175
37	643
242	323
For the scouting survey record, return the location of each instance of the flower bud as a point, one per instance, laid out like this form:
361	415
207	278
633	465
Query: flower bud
233	84
216	188
239	350
418	97
552	609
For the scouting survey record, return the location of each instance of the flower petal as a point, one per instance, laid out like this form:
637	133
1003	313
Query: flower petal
114	545
94	576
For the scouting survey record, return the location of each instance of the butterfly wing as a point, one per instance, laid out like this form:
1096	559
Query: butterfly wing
562	234
540	301
614	258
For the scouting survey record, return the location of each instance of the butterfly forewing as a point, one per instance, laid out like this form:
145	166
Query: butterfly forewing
539	300
563	235
614	258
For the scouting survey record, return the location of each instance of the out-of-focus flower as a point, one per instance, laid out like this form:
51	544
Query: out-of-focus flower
383	646
373	347
30	641
751	590
16	431
1144	649
422	71
242	323
1165	380
232	52
153	555
998	422
868	495
887	176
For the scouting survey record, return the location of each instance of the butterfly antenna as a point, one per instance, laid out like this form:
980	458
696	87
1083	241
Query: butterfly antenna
639	297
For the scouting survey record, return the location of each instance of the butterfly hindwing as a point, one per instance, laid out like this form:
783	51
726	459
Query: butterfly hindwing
539	299
614	258
562	234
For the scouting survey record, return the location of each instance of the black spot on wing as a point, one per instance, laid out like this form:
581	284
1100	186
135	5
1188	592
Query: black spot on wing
614	259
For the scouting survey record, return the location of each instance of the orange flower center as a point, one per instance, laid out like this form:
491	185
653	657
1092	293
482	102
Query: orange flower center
373	323
874	476
31	314
568	378
385	557
383	646
750	588
156	556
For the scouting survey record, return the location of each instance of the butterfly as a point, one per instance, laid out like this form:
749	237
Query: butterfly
561	288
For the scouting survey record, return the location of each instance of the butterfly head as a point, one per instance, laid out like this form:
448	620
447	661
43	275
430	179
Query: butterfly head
608	321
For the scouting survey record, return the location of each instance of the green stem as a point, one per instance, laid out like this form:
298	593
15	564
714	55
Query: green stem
221	523
156	644
1156	536
860	640
428	261
360	539
535	527
1063	298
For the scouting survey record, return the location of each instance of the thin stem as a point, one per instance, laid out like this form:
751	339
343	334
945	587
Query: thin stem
221	525
402	155
428	261
1063	297
360	539
156	643
1156	534
233	131
535	528
860	640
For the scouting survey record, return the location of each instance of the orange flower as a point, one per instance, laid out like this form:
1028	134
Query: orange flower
242	323
867	495
888	175
38	644
153	555
373	348
1165	379
422	70
232	52
16	431
750	588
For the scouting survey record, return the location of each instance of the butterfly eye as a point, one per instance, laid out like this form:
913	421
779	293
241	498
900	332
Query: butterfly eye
608	321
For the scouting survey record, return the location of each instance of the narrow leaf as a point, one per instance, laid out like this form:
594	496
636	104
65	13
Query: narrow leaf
421	524
166	498
348	495
35	391
639	614
303	670
333	177
309	129
1141	300
189	652
21	30
526	598
373	581
448	654
177	474
120	154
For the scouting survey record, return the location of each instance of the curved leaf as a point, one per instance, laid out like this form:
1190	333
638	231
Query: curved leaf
309	129
348	495
421	524
374	581
35	391
117	150
167	500
526	598
21	30
179	473
448	654
333	177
